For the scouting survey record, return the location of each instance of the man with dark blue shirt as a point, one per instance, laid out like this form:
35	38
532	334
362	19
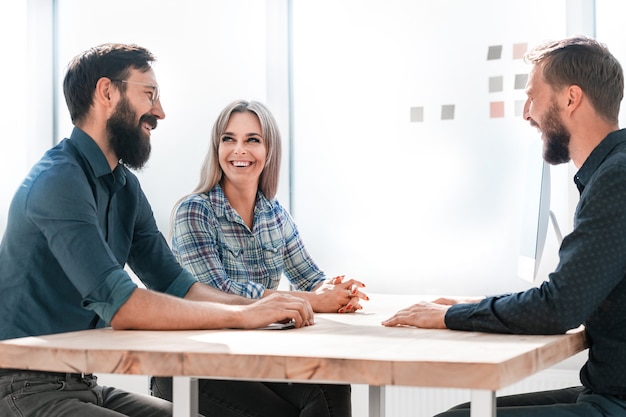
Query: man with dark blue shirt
574	93
77	219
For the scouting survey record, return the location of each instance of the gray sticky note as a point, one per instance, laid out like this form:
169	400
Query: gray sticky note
520	81
447	112
494	52
417	114
496	84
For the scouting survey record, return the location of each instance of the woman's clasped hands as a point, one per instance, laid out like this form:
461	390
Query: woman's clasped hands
338	295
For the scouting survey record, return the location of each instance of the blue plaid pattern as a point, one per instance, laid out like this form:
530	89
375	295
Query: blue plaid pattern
211	240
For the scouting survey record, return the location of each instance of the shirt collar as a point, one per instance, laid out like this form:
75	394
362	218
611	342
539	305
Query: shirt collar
597	156
222	208
95	157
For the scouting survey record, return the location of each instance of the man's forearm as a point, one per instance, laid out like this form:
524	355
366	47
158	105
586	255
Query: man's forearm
203	292
150	310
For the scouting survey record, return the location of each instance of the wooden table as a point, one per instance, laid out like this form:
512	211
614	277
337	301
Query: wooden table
345	348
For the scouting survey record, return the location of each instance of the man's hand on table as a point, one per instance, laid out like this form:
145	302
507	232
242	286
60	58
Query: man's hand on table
276	308
423	314
429	315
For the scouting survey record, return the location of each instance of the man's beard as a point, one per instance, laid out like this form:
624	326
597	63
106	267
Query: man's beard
130	142
556	146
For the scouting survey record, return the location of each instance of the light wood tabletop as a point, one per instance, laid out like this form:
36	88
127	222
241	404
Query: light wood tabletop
343	348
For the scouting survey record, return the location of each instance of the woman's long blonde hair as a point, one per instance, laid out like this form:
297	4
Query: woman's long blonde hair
211	173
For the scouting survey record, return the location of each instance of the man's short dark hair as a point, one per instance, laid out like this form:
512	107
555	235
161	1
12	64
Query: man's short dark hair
587	63
111	60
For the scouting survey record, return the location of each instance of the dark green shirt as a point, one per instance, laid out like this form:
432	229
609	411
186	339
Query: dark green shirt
588	285
73	224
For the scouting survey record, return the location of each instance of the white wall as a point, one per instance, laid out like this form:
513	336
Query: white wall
26	111
353	92
13	20
209	53
434	206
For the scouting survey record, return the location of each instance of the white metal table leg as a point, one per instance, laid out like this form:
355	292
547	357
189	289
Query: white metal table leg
483	403
376	401
185	396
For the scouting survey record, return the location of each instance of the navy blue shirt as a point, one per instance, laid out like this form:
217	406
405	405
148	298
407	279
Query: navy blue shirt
73	224
588	285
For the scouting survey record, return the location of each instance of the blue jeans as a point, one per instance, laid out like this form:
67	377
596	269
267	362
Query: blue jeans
568	402
49	394
265	399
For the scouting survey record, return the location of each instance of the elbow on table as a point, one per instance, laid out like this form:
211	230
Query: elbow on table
119	322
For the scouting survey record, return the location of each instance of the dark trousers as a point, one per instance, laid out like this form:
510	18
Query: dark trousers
264	399
50	394
568	402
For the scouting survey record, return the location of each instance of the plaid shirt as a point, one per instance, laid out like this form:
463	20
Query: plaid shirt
211	240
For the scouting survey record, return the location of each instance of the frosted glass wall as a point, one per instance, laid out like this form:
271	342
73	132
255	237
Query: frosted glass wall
410	152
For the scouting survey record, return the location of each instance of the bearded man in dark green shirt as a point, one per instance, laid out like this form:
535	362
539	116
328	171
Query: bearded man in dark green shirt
77	219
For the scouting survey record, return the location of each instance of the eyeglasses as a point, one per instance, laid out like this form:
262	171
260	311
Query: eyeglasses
154	96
